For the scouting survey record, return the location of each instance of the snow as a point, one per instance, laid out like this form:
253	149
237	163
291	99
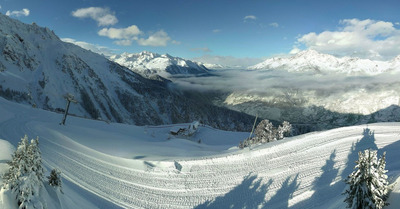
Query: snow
313	61
115	165
148	63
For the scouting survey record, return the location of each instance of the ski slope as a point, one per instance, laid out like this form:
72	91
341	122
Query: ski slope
123	166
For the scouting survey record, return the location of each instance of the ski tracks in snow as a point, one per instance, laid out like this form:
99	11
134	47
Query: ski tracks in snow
290	166
296	172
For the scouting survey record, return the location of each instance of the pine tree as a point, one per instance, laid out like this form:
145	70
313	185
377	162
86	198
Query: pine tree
286	128
25	173
18	166
36	158
55	178
265	132
368	185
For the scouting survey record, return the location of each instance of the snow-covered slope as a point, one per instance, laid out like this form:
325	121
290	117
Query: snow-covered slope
313	61
215	66
37	68
117	165
148	64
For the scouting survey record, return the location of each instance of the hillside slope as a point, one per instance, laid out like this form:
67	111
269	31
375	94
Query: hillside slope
37	68
137	167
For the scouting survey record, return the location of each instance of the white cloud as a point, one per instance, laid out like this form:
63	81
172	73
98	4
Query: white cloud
397	23
92	47
124	42
362	38
295	50
103	16
126	36
127	33
249	17
175	42
274	24
216	30
202	49
23	12
159	38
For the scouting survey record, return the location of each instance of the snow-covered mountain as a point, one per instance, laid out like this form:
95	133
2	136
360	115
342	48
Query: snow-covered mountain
214	66
148	64
221	67
321	90
37	68
313	61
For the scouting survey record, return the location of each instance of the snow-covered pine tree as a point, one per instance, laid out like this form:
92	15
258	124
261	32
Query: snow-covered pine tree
265	132
22	178
286	128
55	178
368	185
17	166
36	158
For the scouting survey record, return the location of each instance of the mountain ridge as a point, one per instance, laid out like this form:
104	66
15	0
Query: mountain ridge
313	61
148	64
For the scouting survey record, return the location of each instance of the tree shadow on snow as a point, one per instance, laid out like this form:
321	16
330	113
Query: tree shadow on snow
282	196
322	186
392	162
366	142
393	167
249	194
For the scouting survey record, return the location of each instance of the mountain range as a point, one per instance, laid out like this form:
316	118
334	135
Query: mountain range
321	90
313	61
37	68
149	64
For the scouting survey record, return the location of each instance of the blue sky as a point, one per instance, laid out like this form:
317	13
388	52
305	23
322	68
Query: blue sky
213	30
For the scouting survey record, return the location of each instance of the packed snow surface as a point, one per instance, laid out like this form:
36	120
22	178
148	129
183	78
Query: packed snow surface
116	165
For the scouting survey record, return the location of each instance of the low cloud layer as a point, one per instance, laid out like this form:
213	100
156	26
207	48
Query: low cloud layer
378	40
264	82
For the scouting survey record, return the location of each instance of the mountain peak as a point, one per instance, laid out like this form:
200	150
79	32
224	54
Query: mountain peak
308	52
148	53
312	54
148	63
10	26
